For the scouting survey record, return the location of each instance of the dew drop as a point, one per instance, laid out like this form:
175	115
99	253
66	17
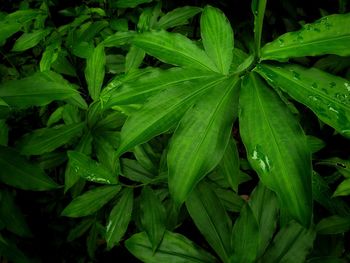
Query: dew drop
262	160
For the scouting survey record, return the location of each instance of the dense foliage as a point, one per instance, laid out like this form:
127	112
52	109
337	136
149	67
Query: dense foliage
173	131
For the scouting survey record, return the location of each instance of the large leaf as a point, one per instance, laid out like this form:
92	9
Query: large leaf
178	16
329	35
205	128
129	3
161	112
325	94
8	29
174	248
276	147
211	219
95	71
291	245
217	38
91	201
48	139
258	8
119	218
18	172
29	40
36	90
174	48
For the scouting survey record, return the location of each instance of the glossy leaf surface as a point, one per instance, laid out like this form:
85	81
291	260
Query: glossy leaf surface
328	35
29	40
258	9
178	16
276	147
95	71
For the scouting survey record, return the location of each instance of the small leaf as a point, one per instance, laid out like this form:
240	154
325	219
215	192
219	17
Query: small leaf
205	128
16	171
333	225
119	39
119	218
325	94
258	8
95	71
49	56
343	189
276	147
91	201
80	229
291	244
48	139
173	248
29	40
175	49
328	35
8	29
153	216
217	38
90	169
134	58
211	219
129	3
177	17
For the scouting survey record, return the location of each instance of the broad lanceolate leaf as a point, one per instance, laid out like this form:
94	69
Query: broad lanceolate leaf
153	216
8	29
91	201
29	40
119	39
211	219
174	48
48	139
333	225
291	245
258	8
325	94
162	112
173	248
18	172
36	90
217	37
119	218
245	237
90	169
329	35
276	147
95	71
205	128
129	3
177	17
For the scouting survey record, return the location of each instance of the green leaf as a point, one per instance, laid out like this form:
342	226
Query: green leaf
8	29
153	216
157	116
4	132
80	229
90	169
291	245
29	40
217	38
49	56
175	49
48	139
106	154
343	189
18	172
9	251
129	3
11	216
91	201
333	225
276	147
315	144
173	248
211	219
36	90
119	39
245	239
177	17
325	94
258	9
119	218
91	241
205	128
134	58
328	35
132	170
95	71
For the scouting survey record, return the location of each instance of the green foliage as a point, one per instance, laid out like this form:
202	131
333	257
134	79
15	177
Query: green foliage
177	133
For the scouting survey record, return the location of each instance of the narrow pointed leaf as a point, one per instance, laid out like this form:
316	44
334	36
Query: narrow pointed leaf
48	139
153	217
80	229
119	39
211	219
160	113
328	35
95	71
217	38
173	248
325	94
333	225
91	201
119	218
18	172
134	58
177	17
343	189
291	245
8	29
175	49
129	3
205	128
276	147
258	8
89	169
29	40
